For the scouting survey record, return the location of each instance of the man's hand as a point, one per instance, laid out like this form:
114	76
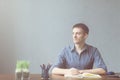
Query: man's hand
81	71
72	71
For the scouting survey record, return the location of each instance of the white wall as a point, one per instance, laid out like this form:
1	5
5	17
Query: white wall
36	30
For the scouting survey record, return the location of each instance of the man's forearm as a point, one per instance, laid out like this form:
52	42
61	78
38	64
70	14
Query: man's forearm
94	71
65	71
59	71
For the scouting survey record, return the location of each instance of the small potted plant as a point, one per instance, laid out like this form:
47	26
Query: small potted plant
22	70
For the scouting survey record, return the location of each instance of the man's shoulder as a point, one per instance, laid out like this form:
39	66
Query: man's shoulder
69	47
91	47
66	50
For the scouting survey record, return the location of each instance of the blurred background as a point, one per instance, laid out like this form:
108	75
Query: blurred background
37	30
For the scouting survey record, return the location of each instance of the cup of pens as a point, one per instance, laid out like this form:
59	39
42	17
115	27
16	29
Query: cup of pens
45	71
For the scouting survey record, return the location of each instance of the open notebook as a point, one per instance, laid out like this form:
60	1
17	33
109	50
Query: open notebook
84	75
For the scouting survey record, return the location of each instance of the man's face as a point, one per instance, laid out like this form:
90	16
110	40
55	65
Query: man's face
79	36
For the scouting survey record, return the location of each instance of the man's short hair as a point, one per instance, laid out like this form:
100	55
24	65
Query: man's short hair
83	26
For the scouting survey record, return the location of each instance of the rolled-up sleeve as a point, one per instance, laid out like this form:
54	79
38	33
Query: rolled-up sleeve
98	60
60	60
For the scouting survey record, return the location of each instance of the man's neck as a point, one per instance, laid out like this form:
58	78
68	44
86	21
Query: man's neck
79	47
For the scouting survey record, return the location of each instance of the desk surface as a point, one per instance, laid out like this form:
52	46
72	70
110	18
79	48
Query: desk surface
54	77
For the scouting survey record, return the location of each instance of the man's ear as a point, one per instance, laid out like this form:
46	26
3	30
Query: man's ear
86	35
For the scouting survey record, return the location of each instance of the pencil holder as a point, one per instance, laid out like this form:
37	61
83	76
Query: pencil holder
45	71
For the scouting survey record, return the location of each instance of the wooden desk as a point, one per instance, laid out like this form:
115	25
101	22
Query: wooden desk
53	77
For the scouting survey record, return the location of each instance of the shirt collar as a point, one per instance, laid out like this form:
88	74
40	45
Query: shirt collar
73	47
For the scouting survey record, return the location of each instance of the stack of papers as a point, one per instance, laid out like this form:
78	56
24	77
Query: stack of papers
84	75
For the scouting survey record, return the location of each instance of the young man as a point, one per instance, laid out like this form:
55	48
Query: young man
79	57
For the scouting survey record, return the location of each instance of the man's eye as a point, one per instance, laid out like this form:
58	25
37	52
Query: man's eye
78	33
